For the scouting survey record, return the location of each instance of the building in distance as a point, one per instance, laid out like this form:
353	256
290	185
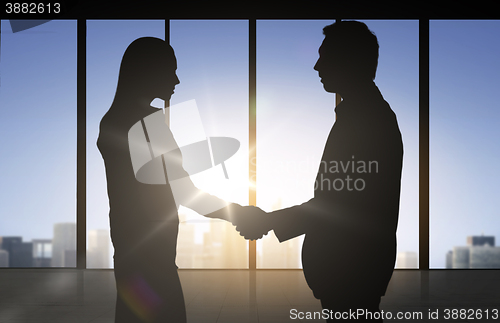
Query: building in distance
98	251
64	245
480	252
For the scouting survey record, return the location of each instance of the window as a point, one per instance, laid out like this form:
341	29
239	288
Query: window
212	66
295	115
106	43
220	91
38	124
464	136
398	80
38	144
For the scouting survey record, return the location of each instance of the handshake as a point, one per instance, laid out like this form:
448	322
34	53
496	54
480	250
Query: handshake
250	221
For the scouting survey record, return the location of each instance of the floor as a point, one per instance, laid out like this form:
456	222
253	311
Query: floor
264	296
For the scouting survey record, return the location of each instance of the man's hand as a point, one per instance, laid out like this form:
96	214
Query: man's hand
251	222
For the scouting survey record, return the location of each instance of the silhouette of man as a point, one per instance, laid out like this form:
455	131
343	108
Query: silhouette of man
143	217
350	225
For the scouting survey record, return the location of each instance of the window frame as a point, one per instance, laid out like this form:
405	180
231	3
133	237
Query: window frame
81	160
252	111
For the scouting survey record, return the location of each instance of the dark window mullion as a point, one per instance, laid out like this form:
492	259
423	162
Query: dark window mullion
252	131
167	103
81	146
424	144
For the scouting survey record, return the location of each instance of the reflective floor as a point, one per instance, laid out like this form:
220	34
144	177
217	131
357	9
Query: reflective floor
217	296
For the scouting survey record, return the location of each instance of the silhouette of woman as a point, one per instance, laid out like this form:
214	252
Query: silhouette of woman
143	217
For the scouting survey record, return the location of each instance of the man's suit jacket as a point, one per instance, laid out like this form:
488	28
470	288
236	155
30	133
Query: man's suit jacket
350	224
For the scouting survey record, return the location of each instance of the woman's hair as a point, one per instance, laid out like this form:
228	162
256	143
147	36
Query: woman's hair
144	62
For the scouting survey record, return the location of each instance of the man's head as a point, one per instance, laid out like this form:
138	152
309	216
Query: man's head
348	55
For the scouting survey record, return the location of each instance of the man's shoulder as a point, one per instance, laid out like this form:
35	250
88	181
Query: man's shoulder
383	114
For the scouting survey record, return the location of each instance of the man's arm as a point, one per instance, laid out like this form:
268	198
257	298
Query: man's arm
300	219
290	222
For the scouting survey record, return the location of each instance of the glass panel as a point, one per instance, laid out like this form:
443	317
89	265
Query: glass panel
289	151
464	136
397	79
212	66
106	43
38	144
